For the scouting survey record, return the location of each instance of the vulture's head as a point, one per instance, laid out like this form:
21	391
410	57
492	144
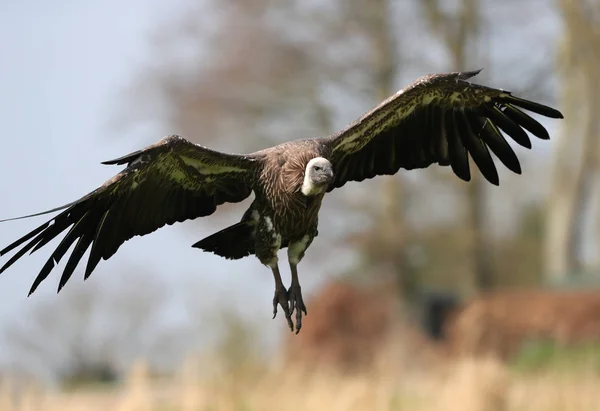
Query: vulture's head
317	176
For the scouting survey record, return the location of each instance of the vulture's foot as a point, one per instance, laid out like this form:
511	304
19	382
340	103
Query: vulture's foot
281	298
296	303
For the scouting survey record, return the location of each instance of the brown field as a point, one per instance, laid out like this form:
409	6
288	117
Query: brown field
499	323
463	385
362	356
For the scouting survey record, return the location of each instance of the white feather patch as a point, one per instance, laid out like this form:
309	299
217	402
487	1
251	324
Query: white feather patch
269	224
295	250
271	229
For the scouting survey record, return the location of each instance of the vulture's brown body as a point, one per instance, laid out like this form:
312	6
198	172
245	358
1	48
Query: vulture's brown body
280	203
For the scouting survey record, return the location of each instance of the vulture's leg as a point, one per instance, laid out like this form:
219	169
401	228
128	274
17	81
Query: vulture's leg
295	296
281	297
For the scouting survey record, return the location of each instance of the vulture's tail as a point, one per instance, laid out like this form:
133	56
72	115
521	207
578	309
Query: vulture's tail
234	242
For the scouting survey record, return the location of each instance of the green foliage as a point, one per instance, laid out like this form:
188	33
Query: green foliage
92	377
545	354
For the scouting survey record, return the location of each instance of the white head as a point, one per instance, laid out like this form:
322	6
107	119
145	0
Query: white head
317	176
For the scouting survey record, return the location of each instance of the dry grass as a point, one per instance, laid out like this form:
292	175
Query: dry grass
499	323
465	385
406	372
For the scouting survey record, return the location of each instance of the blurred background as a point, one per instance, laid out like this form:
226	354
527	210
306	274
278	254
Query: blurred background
423	292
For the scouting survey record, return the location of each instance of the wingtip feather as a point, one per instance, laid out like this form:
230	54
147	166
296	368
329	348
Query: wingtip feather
63	207
123	159
532	106
465	75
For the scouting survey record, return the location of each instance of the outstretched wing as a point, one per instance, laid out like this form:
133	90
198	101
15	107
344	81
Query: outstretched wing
440	118
172	180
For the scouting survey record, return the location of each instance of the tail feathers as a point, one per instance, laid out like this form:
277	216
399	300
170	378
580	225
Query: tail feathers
233	242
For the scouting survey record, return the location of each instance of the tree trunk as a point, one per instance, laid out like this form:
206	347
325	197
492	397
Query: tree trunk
393	225
573	178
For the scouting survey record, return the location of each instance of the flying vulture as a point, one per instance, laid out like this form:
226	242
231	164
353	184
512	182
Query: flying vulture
439	118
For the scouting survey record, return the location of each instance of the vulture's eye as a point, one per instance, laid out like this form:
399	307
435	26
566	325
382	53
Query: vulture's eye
317	168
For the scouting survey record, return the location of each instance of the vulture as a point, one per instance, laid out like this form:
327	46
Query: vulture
438	119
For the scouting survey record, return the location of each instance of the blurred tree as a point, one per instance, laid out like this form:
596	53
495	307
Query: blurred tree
577	156
466	31
376	20
519	254
91	335
265	80
460	31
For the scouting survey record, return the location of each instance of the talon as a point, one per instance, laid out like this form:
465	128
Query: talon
297	303
298	320
288	317
281	298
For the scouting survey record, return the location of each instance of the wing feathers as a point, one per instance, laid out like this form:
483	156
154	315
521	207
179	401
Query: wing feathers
527	122
441	151
73	234
171	181
97	245
479	152
128	158
507	125
20	253
441	119
49	234
82	245
492	137
38	214
530	105
60	224
26	237
459	160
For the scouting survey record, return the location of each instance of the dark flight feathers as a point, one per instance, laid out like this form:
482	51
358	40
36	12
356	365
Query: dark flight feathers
173	180
439	118
442	119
